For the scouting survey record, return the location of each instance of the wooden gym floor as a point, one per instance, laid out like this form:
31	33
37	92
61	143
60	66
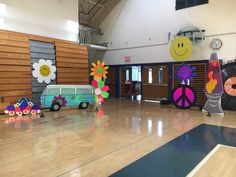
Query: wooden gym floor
81	143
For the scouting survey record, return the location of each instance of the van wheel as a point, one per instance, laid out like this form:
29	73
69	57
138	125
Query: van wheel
83	105
55	107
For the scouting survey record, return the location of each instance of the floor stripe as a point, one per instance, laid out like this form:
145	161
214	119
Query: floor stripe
203	161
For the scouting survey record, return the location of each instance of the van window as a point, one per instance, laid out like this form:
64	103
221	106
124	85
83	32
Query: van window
83	91
44	92
67	91
53	91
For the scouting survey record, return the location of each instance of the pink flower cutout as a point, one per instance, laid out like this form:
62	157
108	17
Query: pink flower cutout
100	90
60	99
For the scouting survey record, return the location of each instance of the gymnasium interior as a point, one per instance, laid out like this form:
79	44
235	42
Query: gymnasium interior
117	88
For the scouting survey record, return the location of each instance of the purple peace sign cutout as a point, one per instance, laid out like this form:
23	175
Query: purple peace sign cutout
183	96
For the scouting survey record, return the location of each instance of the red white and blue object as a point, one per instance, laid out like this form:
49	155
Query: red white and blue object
183	96
24	106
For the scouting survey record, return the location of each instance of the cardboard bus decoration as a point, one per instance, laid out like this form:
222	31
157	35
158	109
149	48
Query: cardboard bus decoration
213	87
181	48
57	96
44	71
24	106
229	82
99	72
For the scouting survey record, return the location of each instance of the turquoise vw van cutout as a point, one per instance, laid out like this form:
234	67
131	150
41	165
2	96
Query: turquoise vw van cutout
57	96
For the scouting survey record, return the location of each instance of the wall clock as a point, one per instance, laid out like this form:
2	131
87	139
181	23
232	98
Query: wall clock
216	44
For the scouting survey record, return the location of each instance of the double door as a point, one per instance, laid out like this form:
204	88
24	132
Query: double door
155	81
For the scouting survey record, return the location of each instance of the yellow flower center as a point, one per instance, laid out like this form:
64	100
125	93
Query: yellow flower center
44	70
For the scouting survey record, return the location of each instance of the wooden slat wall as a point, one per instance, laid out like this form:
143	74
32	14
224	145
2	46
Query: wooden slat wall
15	66
198	82
72	63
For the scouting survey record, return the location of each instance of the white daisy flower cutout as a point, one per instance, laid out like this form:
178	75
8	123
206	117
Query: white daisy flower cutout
44	71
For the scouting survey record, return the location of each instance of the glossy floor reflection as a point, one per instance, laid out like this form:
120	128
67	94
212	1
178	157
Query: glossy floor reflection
82	143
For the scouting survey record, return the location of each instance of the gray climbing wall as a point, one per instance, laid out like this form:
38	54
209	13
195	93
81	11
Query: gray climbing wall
41	50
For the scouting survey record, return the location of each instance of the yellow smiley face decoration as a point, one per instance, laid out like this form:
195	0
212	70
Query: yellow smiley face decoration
181	48
45	70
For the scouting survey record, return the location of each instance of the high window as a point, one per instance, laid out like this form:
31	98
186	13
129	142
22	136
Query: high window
136	73
127	74
150	75
160	75
182	4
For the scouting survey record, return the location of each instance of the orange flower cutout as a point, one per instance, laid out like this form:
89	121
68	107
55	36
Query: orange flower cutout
99	70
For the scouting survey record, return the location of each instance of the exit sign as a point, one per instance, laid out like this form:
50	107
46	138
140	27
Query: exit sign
127	59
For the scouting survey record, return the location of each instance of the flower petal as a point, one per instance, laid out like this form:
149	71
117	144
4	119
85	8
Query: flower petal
35	73
95	84
42	61
105	88
105	94
40	79
47	80
100	99
53	68
101	84
95	98
48	62
52	76
36	66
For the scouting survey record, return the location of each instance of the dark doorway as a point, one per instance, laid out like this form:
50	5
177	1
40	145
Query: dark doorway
111	81
131	82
